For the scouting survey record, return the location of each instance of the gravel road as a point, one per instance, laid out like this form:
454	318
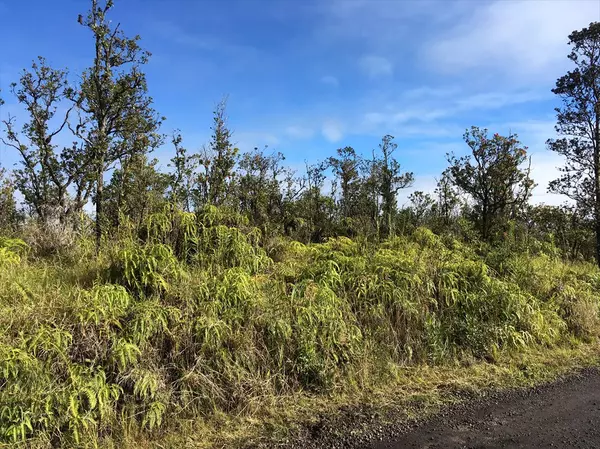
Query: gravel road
565	414
562	414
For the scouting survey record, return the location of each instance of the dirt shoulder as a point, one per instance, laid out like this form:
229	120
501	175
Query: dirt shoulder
561	414
565	414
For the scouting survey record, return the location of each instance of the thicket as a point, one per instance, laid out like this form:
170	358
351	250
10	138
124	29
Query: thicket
191	315
232	280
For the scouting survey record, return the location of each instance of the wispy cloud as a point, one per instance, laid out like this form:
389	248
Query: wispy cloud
379	25
333	131
181	36
330	80
517	38
446	103
299	132
246	140
376	66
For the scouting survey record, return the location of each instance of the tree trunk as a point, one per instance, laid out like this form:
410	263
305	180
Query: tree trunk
596	143
124	174
597	200
99	201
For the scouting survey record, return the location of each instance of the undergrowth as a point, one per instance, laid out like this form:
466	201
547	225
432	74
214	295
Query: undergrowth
197	315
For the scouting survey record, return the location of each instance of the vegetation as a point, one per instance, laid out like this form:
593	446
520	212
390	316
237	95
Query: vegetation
232	285
578	125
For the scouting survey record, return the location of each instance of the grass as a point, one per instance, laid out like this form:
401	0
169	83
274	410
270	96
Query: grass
414	393
193	330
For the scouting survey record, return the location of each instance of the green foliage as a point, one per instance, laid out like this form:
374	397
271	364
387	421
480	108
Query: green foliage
493	176
9	216
146	269
565	227
46	175
197	319
136	190
577	126
231	282
11	251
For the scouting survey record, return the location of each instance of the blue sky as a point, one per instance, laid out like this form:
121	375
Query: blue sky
307	77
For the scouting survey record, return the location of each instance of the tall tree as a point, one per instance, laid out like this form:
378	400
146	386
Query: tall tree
218	161
390	179
447	197
184	177
259	188
313	204
493	176
46	174
346	168
116	114
578	125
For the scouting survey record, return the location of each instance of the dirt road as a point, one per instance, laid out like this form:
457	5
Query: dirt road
561	415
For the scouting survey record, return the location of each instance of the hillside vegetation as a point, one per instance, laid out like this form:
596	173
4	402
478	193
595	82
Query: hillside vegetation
194	317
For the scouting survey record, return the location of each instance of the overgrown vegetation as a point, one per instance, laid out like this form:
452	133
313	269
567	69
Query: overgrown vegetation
197	317
232	283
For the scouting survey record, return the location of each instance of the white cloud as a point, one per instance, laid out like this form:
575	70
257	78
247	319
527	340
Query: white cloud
376	66
330	80
236	56
379	25
430	92
246	140
533	133
500	99
519	37
332	130
430	105
299	132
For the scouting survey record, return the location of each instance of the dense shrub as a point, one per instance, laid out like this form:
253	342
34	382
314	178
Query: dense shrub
191	317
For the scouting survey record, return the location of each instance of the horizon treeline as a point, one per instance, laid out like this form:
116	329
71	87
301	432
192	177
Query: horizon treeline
110	118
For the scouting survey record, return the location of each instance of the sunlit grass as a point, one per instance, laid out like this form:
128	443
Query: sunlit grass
187	333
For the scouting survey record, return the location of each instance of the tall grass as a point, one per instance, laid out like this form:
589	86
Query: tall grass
189	316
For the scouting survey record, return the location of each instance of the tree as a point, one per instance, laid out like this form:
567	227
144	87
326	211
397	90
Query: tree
136	190
184	177
218	161
421	206
313	205
9	216
447	197
46	175
389	179
347	169
578	124
565	227
492	176
116	117
259	188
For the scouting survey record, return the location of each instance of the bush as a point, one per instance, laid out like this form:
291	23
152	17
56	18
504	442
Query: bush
190	317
